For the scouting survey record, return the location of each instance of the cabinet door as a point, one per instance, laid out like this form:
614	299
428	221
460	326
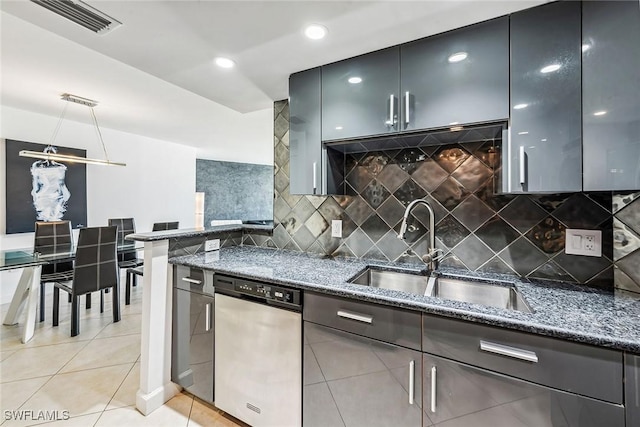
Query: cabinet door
457	77
456	394
360	95
304	132
193	343
632	384
611	95
351	381
543	153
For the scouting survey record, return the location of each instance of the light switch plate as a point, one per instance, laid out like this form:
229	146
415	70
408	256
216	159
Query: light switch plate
583	242
212	245
336	228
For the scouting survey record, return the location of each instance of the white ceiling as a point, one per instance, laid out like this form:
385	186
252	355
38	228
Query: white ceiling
155	75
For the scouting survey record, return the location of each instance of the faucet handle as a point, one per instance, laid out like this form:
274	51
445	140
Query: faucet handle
432	255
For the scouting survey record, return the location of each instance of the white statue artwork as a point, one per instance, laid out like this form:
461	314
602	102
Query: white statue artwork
49	191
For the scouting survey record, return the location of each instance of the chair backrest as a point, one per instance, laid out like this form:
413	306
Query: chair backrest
125	227
161	226
96	264
51	237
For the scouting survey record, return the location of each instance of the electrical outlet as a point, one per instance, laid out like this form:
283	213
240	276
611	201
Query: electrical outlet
336	228
583	242
212	245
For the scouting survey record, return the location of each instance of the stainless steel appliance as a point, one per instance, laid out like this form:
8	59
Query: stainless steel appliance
192	341
258	339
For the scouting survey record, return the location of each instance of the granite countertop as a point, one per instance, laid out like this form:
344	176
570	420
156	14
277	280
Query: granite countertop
566	311
194	232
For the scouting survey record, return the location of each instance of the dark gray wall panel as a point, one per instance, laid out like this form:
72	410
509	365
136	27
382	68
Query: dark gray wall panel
235	190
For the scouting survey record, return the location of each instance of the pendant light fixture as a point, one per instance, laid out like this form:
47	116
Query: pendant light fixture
50	154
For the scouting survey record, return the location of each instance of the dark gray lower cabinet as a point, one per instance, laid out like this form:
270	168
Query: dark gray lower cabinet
459	395
193	335
350	380
632	389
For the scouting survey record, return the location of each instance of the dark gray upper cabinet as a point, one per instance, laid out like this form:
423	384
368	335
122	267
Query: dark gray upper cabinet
360	95
543	153
304	132
611	95
458	77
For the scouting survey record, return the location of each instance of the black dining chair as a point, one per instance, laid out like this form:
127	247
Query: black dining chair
53	237
134	272
95	269
161	226
125	227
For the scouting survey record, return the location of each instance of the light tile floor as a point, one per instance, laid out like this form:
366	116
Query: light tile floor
94	375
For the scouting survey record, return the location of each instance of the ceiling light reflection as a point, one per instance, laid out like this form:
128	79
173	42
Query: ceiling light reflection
520	106
550	68
355	80
457	57
600	113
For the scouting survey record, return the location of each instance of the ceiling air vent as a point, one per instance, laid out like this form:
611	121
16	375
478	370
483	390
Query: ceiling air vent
81	13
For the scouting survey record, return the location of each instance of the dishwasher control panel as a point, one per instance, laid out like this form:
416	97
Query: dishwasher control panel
265	291
270	294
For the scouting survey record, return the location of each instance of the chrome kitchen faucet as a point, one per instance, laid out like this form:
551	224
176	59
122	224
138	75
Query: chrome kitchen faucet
431	256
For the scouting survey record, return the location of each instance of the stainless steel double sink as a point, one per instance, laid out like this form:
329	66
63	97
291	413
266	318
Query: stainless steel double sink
501	295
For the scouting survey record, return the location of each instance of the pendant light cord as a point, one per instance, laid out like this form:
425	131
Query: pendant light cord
95	122
55	131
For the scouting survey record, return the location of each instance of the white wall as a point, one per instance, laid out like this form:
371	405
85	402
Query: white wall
158	183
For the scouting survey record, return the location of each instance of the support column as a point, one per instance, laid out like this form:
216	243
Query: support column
155	359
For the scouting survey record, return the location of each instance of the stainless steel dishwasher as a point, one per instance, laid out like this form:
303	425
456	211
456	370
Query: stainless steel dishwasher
258	340
192	349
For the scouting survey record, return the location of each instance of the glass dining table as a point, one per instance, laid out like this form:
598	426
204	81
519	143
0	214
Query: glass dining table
26	293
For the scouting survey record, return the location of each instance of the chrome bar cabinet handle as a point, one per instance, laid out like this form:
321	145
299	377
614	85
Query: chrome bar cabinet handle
505	350
412	380
523	177
407	112
207	314
355	316
433	389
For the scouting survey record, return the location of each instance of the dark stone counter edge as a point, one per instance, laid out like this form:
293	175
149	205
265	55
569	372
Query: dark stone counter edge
194	232
440	309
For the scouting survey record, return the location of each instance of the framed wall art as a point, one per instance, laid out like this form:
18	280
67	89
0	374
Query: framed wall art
43	190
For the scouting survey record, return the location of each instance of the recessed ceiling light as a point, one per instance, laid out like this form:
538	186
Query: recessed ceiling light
315	31
520	106
523	133
600	113
550	68
224	62
354	80
457	57
586	47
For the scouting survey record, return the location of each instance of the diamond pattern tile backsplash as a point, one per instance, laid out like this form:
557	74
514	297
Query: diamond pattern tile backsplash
626	241
476	229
